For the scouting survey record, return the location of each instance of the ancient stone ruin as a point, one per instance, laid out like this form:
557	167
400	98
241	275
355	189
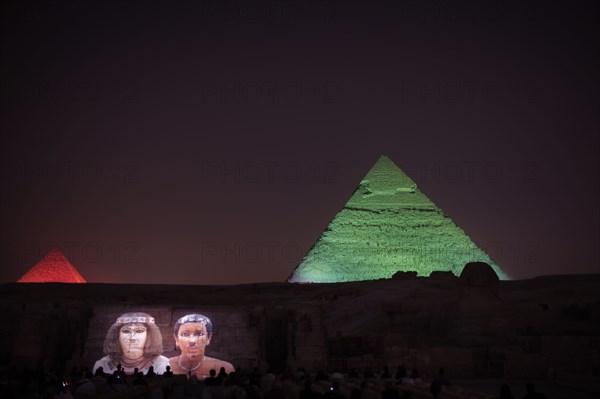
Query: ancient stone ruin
388	226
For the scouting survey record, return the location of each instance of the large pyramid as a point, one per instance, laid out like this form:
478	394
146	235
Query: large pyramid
53	268
388	225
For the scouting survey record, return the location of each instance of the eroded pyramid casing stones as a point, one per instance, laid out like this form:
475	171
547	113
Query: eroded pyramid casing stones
387	226
53	268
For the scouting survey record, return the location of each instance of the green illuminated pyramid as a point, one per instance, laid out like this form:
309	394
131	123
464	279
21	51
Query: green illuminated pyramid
388	226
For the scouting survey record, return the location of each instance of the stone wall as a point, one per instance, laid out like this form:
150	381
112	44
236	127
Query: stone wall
517	329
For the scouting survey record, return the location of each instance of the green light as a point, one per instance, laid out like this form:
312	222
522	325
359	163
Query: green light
388	225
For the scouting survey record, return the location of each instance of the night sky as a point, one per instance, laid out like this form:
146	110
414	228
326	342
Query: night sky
212	142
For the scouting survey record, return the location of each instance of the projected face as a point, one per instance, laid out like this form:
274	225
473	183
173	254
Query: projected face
192	339
132	338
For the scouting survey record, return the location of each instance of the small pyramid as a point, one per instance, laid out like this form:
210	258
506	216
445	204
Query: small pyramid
387	226
53	268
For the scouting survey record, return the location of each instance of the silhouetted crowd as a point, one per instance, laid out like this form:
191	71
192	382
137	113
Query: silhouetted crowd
365	384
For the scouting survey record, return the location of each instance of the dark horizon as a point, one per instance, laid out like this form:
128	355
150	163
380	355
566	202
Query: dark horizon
211	143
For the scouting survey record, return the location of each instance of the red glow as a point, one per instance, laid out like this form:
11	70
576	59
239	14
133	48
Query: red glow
53	268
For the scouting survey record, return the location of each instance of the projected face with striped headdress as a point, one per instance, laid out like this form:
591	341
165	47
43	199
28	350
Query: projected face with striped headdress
133	341
133	335
192	334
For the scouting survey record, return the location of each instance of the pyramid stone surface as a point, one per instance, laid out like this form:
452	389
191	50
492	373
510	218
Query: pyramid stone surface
53	268
388	225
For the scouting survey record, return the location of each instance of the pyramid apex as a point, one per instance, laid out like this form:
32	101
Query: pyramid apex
52	268
385	177
383	159
56	251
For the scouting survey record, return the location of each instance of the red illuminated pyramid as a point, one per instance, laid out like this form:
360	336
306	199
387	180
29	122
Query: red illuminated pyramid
53	268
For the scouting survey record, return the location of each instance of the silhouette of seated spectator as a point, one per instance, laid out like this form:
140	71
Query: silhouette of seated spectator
367	393
62	390
531	393
151	372
505	392
368	373
337	376
252	391
415	375
307	392
140	380
441	377
192	389
390	392
84	385
168	373
99	379
411	379
288	374
386	373
255	377
406	395
74	375
438	383
212	379
267	381
276	391
116	382
120	372
435	388
400	372
288	385
300	374
321	376
232	379
100	372
334	392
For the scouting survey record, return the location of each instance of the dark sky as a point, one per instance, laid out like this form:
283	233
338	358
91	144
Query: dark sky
212	142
